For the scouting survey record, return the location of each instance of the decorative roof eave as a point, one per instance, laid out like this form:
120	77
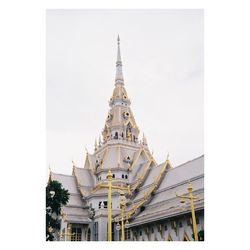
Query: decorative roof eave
104	158
141	178
82	192
162	216
137	205
87	159
136	159
142	149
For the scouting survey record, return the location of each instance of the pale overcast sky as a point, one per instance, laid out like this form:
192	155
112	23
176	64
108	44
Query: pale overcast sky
162	55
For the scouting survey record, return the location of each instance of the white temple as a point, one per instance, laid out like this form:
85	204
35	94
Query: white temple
152	211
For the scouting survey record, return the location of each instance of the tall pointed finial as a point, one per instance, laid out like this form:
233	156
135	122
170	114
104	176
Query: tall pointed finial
119	75
100	141
50	174
95	147
144	140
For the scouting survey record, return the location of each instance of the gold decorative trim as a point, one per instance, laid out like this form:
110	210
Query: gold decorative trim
137	205
185	237
169	237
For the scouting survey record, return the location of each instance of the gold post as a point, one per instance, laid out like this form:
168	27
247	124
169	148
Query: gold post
123	235
109	177
191	198
68	234
109	186
190	189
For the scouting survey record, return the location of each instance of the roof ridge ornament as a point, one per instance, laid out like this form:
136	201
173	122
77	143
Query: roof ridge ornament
119	75
95	146
144	140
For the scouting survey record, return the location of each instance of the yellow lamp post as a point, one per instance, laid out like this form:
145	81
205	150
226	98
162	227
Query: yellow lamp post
110	187
191	198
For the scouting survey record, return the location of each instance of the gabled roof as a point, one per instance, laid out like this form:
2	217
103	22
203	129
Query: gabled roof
183	172
76	215
68	182
85	177
164	201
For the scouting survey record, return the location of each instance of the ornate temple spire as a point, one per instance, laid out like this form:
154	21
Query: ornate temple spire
120	122
119	75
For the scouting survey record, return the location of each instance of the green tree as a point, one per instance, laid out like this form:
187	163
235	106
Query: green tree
56	197
200	235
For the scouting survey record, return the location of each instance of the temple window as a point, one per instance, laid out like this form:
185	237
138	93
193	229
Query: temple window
113	176
116	135
126	176
127	234
76	234
106	204
103	204
122	176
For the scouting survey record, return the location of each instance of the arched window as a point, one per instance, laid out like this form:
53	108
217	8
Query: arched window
123	176
126	176
122	134
113	176
116	135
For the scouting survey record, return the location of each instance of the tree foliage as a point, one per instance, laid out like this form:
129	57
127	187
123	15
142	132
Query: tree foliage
200	235
56	197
